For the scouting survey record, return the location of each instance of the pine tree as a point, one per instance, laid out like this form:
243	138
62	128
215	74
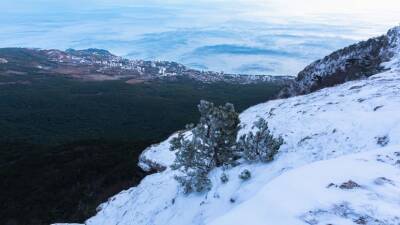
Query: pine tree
261	146
212	145
224	178
245	175
218	128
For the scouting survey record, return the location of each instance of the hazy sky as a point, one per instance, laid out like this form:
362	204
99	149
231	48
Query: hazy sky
241	36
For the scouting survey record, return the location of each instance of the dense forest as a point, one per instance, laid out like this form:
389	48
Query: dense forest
67	145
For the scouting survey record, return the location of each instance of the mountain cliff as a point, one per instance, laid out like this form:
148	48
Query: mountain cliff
339	163
357	61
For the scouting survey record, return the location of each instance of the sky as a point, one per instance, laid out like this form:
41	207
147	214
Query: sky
278	37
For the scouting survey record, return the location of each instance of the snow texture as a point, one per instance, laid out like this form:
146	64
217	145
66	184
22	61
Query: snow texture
157	157
311	195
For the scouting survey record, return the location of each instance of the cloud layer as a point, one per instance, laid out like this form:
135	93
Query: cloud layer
269	37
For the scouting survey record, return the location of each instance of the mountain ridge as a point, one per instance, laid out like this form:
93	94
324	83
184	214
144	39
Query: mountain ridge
356	61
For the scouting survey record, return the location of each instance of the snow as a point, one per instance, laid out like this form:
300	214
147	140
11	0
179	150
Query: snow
327	124
157	157
394	40
304	196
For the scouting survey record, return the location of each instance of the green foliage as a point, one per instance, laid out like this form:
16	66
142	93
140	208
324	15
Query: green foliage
211	145
189	160
261	145
47	184
218	128
224	178
245	175
195	181
56	110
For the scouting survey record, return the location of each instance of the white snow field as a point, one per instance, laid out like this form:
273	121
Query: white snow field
360	188
340	164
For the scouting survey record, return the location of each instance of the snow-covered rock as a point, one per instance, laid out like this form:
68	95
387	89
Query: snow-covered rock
156	158
360	60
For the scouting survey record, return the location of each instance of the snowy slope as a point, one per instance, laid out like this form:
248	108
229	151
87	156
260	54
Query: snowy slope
360	188
332	122
337	134
155	158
